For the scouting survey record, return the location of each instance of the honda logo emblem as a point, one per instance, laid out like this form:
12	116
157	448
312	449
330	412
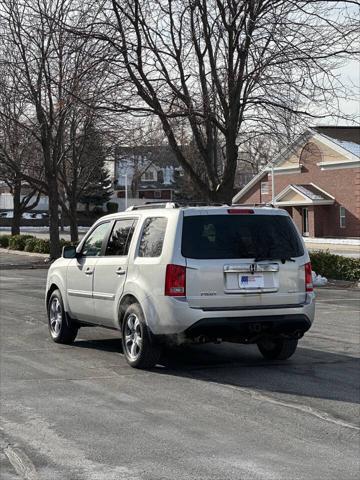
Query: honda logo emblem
252	268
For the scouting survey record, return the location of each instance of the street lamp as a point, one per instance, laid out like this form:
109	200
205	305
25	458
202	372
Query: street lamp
126	188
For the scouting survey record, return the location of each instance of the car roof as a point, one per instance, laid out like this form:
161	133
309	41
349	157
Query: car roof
157	210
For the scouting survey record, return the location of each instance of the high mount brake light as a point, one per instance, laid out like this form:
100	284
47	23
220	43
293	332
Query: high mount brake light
308	278
175	281
239	211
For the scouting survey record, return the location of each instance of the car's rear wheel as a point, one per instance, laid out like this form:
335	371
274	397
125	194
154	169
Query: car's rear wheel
139	346
277	348
61	329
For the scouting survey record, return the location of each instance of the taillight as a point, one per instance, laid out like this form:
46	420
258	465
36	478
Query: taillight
308	278
237	211
175	281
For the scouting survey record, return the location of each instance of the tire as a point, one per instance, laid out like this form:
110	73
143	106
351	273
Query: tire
277	348
139	347
60	327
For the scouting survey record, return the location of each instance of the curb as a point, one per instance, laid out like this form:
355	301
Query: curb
26	254
340	285
25	266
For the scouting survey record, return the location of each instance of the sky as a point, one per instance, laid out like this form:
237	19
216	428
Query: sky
351	76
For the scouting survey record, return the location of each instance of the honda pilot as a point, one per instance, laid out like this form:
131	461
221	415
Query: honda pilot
165	273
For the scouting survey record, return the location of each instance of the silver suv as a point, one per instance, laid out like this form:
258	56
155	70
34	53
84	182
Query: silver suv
161	273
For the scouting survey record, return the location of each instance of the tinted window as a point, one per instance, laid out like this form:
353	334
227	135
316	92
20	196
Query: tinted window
152	237
240	236
93	244
120	237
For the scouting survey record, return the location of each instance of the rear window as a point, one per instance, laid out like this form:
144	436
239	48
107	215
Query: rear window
240	236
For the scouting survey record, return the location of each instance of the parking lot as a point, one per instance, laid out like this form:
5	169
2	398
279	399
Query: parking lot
215	412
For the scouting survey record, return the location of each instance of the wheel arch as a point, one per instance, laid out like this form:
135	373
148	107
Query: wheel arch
125	302
51	289
56	282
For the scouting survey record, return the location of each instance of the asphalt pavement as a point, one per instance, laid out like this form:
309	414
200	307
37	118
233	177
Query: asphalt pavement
212	412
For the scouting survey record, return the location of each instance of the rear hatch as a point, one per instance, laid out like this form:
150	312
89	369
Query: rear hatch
242	258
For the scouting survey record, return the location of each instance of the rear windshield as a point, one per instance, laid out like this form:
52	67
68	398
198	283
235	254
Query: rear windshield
240	236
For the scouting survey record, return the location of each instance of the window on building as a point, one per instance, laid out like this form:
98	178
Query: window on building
152	237
264	188
305	222
342	212
149	175
120	237
157	194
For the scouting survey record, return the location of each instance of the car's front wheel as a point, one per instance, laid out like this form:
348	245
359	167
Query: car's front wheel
139	346
277	348
61	329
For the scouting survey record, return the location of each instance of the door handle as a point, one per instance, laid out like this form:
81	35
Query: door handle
89	271
120	271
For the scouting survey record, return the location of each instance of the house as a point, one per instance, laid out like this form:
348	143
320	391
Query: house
317	180
149	172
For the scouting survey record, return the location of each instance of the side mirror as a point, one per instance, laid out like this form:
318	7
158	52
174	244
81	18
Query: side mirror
69	251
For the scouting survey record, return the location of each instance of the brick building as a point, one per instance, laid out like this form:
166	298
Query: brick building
317	180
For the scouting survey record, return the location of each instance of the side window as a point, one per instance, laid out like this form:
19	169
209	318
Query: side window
93	244
152	237
120	237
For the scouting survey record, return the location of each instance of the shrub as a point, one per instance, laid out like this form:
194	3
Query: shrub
65	243
17	242
112	207
335	266
4	241
42	246
30	244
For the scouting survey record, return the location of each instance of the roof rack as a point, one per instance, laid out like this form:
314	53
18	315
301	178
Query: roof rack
146	206
149	205
186	203
268	204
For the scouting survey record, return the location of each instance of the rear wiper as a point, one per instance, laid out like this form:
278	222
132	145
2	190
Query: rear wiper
283	259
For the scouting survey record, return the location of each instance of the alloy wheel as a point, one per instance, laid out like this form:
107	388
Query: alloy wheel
55	316
133	336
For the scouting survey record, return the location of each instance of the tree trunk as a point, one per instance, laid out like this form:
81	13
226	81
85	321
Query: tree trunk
55	250
74	232
15	224
62	223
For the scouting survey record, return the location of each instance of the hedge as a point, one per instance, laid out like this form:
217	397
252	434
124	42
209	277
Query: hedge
4	241
28	243
17	242
335	266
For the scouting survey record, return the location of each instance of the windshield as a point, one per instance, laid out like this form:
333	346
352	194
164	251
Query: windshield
240	236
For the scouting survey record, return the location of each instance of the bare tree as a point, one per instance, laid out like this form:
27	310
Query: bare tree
18	155
225	67
52	73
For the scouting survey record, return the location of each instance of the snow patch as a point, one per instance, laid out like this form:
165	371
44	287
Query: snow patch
318	280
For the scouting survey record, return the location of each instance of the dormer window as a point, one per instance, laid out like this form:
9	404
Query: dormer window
149	176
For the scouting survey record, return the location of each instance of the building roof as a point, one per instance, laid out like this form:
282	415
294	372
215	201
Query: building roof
344	140
345	137
303	194
160	155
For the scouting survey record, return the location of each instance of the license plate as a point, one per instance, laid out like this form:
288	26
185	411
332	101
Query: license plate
251	281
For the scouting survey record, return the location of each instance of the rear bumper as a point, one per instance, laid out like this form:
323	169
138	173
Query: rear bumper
248	328
167	316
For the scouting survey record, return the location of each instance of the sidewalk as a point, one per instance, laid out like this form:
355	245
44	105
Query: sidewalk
11	259
345	247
